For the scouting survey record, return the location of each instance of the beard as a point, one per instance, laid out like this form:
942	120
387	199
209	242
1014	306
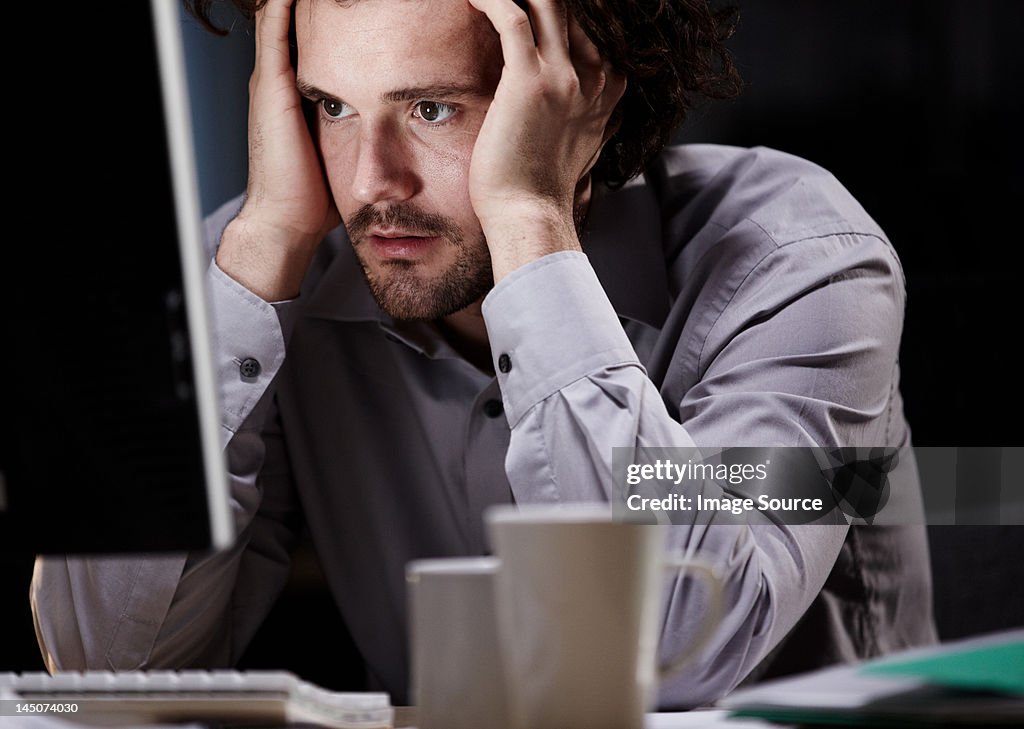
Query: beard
400	287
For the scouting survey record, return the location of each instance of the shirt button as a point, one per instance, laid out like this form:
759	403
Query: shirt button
504	362
249	367
493	408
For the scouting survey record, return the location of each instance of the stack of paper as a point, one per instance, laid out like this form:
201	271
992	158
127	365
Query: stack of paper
974	682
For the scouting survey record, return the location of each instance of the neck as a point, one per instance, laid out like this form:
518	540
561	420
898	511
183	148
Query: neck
466	332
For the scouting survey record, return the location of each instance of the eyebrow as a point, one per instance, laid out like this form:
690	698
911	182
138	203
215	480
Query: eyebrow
413	93
436	91
310	91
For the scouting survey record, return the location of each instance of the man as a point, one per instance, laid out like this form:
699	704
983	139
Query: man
458	344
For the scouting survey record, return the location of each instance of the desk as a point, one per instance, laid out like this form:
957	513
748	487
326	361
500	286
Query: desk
405	717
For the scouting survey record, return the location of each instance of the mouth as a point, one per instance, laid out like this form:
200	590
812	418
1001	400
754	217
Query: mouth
400	245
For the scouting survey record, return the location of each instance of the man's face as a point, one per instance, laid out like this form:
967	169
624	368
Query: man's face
402	87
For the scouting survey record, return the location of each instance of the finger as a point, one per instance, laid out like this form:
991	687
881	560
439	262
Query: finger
598	78
586	59
272	23
551	29
513	26
581	48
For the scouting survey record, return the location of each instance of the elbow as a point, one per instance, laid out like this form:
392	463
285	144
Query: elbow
742	636
723	666
60	642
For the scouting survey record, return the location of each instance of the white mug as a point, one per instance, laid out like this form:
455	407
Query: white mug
579	608
457	677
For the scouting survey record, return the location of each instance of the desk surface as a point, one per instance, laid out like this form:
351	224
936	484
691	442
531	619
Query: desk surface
405	718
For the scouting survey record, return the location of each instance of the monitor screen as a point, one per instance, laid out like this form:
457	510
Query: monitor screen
109	427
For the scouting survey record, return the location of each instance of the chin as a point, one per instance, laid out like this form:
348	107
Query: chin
406	295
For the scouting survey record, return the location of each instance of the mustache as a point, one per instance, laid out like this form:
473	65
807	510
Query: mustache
406	217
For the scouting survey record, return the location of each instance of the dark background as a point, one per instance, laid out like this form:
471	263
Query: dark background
916	107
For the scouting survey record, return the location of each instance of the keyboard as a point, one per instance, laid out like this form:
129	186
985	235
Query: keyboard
156	697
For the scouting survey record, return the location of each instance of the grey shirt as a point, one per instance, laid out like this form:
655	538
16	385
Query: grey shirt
729	297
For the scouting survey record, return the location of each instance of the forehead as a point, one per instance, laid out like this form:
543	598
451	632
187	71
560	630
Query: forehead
394	42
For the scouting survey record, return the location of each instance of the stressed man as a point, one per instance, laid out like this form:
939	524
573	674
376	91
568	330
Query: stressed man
469	272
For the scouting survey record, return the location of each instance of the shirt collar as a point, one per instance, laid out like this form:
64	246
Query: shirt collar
622	238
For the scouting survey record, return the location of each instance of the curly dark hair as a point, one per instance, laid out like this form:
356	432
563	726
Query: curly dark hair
672	52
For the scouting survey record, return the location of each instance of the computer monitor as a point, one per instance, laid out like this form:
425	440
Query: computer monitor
109	419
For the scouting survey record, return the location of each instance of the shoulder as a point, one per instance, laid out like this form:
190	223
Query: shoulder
756	240
788	197
761	211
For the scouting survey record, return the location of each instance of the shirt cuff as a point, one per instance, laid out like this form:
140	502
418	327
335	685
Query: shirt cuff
550	324
249	344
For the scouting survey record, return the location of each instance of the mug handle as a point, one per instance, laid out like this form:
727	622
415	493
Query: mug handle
711	617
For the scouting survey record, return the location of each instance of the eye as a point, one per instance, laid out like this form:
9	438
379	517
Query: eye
334	109
433	111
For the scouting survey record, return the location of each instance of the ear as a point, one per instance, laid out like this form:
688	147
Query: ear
609	131
615	89
613	125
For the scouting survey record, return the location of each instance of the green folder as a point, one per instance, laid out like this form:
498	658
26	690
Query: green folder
998	668
974	682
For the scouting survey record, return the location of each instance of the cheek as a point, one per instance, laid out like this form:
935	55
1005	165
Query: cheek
444	172
339	158
443	158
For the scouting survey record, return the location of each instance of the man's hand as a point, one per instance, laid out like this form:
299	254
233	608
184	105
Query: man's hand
542	134
288	208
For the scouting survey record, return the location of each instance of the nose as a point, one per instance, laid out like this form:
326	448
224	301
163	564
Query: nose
384	168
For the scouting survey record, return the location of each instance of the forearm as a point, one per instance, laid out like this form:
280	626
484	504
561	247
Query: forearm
526	232
269	244
90	613
771	573
269	262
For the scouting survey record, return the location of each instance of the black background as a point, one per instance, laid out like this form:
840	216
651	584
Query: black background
916	107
